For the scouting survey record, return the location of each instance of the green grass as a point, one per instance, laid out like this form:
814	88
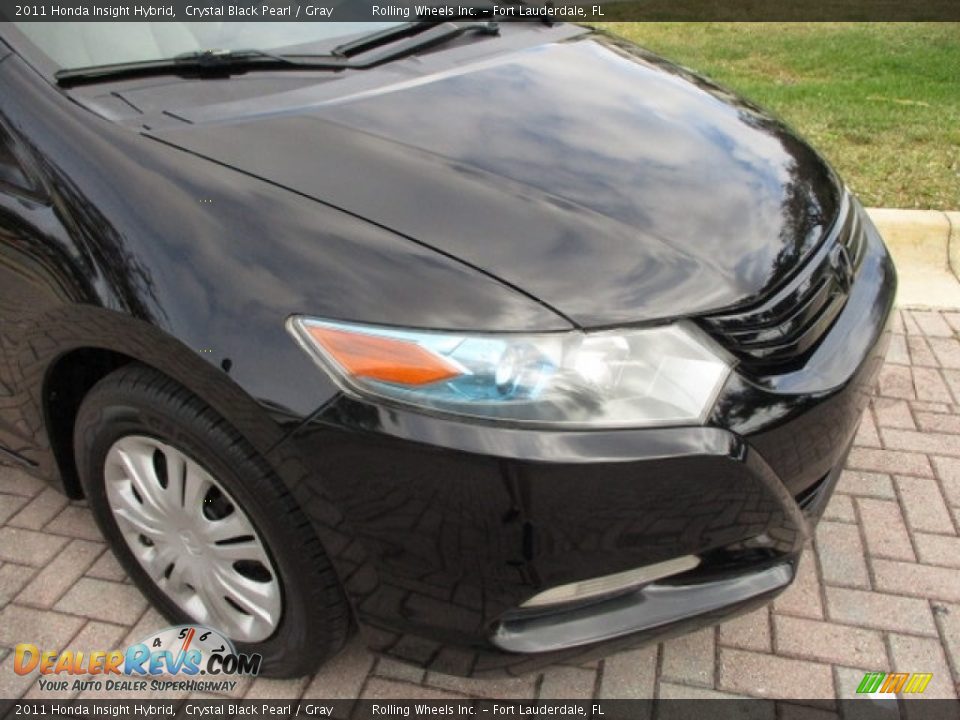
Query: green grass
880	100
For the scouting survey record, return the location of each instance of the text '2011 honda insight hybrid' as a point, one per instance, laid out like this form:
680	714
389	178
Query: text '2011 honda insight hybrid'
506	344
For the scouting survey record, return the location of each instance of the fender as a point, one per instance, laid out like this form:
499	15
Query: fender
58	335
142	249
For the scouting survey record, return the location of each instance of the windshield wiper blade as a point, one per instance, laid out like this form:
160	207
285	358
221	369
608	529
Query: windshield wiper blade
428	35
204	61
391	34
380	37
436	34
225	62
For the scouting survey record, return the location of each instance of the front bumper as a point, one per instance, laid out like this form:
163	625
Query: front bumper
440	530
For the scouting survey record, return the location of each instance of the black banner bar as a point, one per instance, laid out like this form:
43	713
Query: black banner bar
861	708
502	10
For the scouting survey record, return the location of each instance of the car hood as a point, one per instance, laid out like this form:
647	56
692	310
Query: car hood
608	184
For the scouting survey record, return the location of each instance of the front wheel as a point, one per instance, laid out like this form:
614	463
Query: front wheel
202	525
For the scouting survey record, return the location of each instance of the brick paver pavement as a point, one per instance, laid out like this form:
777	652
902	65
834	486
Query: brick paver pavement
879	588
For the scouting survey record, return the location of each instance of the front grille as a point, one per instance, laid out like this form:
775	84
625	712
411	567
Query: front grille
778	333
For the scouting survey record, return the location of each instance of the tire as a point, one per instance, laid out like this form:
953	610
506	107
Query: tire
136	411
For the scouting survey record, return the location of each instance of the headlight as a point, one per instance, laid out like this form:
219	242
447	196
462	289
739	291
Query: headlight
666	375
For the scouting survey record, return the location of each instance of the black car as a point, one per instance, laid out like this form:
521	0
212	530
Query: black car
507	344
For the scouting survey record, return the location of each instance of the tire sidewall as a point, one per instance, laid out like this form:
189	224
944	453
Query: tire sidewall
111	417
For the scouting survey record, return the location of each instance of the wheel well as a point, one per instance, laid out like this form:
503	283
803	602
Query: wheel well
68	381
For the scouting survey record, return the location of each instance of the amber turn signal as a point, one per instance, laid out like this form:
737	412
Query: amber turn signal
381	358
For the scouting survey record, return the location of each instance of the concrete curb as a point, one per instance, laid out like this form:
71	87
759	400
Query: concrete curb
953	242
925	245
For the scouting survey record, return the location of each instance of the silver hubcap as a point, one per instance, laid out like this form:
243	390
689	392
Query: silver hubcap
192	538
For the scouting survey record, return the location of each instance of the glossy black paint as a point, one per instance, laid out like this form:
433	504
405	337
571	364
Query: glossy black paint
546	179
185	253
454	525
552	168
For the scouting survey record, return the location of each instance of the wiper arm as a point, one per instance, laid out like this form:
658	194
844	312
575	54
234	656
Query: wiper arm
219	62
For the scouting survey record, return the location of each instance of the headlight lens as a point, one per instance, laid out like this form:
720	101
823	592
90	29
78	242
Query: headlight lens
666	375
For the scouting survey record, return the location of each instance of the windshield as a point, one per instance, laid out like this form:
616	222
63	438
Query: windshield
85	44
